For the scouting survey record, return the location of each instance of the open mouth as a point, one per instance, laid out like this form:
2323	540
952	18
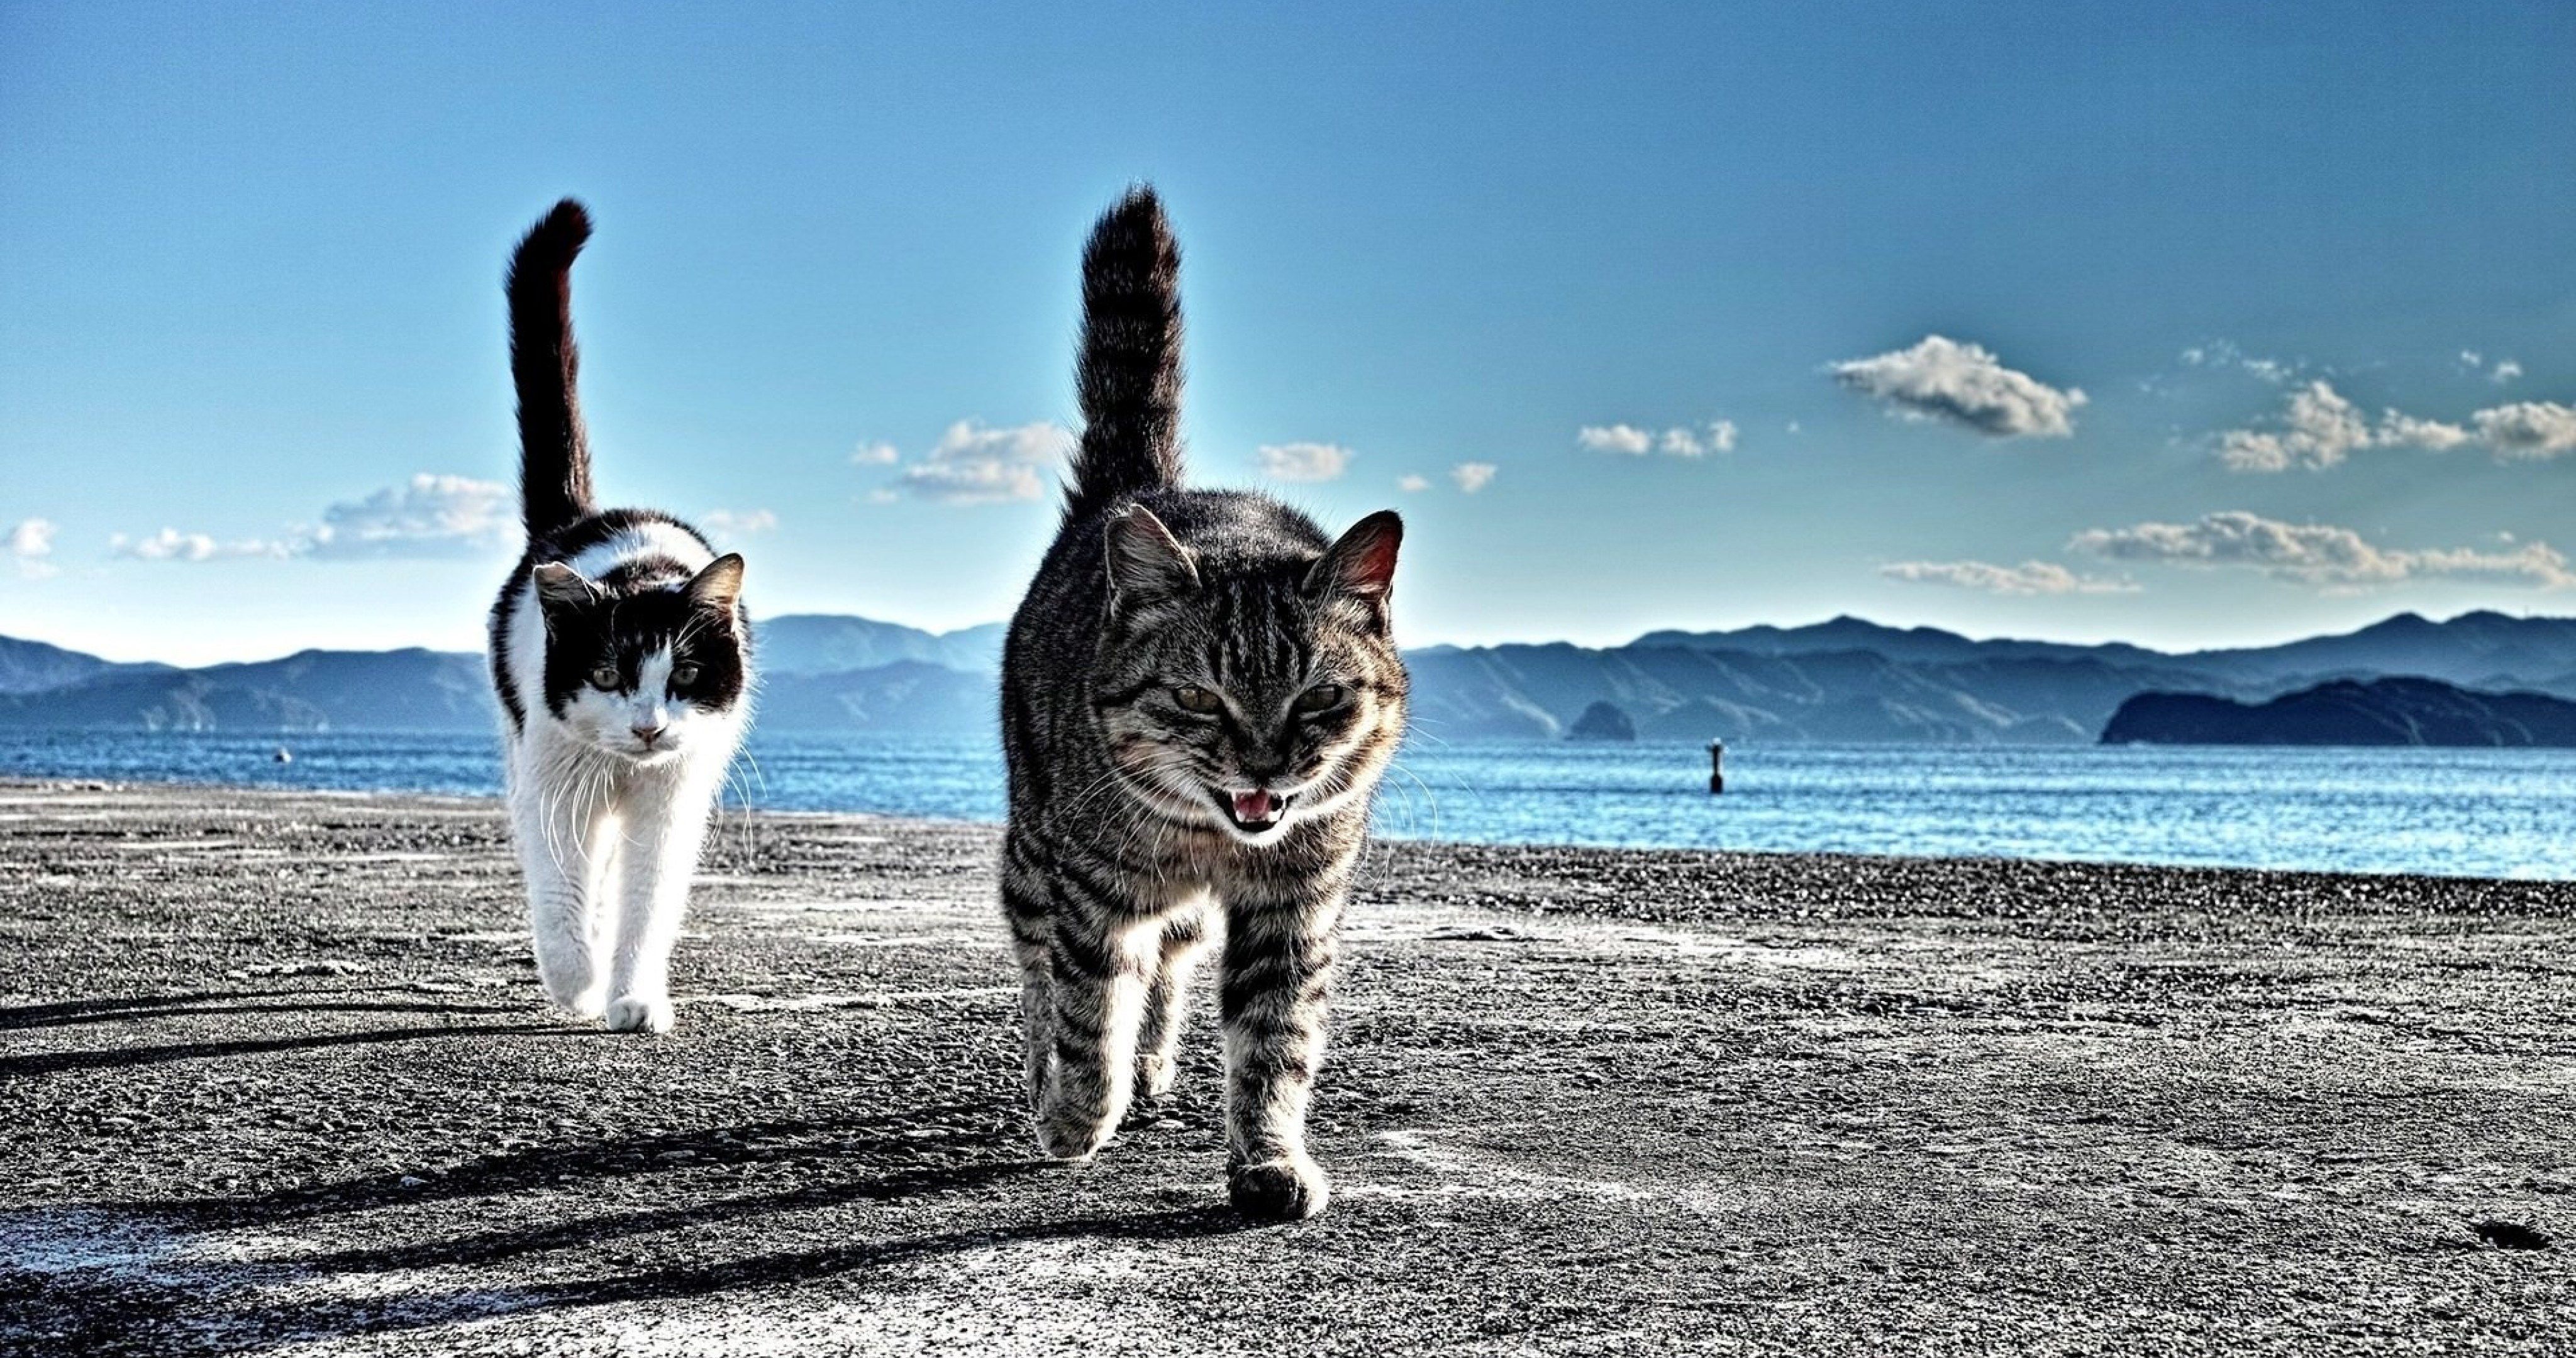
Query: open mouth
1255	811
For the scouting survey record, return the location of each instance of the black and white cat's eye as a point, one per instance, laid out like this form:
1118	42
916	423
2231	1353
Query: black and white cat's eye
683	675
604	677
1192	698
1320	697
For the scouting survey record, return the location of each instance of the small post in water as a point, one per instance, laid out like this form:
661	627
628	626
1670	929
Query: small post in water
1716	767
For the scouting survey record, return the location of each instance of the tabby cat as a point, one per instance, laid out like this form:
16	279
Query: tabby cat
1199	694
623	661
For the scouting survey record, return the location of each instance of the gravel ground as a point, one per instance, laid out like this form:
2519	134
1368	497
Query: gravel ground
275	1078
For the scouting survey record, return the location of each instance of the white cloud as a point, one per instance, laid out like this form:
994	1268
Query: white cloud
2505	369
2527	429
729	524
172	545
2318	554
883	495
876	454
31	537
1679	441
2030	577
1615	438
1410	483
27	544
1304	461
973	483
2320	429
2225	354
2397	429
1943	379
428	516
1472	476
976	464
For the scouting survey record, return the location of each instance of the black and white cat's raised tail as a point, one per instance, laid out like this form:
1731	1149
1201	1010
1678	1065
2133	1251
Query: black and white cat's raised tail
623	661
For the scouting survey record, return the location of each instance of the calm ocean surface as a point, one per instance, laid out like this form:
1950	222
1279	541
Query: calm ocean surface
2487	813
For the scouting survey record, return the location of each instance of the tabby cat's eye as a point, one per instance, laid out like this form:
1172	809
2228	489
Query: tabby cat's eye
1192	698
684	675
604	677
1319	697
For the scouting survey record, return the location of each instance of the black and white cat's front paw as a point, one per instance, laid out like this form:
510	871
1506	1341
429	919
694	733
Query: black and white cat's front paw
640	1014
572	989
1289	1188
1154	1076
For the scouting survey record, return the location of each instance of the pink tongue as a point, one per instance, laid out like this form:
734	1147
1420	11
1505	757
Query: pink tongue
1254	806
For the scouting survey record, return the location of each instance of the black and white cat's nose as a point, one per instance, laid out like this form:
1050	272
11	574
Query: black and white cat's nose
646	735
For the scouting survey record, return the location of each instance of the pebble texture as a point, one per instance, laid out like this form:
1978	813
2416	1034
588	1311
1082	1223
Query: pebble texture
274	1078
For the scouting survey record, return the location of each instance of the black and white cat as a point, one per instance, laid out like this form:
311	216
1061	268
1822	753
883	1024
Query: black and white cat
623	660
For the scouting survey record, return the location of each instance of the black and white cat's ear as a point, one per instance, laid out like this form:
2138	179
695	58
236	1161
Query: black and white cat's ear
560	586
1361	564
719	585
1146	562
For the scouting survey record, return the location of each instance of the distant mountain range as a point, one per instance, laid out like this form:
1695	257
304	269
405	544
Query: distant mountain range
826	643
819	673
2349	712
406	690
1854	680
33	666
2481	649
1843	680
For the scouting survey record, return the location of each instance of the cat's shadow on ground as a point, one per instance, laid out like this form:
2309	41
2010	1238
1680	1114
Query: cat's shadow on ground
704	1227
381	1000
873	1159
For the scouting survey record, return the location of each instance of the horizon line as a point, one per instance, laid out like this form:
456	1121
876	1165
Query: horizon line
1846	616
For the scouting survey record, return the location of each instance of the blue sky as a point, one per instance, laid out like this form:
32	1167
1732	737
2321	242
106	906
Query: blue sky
252	391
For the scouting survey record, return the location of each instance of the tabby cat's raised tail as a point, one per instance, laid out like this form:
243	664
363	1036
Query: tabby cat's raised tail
1129	375
554	451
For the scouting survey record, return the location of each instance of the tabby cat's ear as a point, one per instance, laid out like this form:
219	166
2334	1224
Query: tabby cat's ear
1361	565
560	586
719	585
1146	562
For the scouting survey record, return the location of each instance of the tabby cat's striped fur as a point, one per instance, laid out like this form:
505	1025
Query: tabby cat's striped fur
1199	694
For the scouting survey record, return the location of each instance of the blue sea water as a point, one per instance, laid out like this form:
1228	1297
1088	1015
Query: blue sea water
2483	813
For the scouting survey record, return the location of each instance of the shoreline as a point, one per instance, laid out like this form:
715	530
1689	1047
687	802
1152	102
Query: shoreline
287	1084
14	783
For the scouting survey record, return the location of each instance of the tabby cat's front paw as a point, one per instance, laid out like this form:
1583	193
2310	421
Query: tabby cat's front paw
1291	1188
1065	1138
638	1014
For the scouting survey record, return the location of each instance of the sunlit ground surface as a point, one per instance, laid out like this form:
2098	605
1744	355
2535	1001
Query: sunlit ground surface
278	1080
